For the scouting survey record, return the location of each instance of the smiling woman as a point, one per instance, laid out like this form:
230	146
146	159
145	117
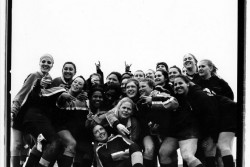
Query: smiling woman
28	109
68	72
69	119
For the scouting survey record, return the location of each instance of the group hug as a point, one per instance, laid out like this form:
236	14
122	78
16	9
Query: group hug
128	119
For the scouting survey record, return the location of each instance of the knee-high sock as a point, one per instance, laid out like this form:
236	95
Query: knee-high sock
85	163
137	165
184	163
168	165
210	161
64	161
52	163
34	158
148	163
52	150
228	161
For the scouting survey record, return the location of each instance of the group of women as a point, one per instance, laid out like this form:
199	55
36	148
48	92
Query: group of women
132	119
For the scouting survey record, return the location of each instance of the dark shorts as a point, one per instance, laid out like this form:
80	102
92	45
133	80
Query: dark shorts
227	114
37	123
125	163
84	150
185	126
228	117
187	133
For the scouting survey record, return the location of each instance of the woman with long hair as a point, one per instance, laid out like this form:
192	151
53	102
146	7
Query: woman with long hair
132	89
215	86
190	64
70	124
173	72
122	114
210	80
162	82
193	118
155	114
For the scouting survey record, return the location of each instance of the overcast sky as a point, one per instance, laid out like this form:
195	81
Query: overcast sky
141	32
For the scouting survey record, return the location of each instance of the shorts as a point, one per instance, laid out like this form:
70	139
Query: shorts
228	117
37	123
185	126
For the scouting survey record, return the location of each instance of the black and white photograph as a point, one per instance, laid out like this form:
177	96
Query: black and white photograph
124	83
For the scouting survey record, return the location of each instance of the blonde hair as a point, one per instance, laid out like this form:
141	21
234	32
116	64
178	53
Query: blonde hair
123	100
47	56
211	65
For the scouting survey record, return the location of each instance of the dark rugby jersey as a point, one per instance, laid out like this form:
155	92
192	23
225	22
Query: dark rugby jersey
113	145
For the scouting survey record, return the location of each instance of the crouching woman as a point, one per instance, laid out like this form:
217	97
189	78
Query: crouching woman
115	151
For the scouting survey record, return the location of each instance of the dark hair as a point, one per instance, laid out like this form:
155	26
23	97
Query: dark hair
133	80
89	83
165	74
93	124
184	78
118	75
115	87
69	62
126	75
178	69
150	82
162	63
95	88
85	83
95	74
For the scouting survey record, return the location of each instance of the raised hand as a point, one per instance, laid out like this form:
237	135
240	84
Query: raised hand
127	67
98	65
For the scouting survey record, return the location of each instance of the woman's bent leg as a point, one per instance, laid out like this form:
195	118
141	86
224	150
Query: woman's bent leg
210	152
168	152
224	144
149	148
69	142
188	148
16	144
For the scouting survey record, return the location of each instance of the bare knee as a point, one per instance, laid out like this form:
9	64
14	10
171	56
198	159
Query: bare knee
149	151
165	152
225	141
165	155
224	148
188	157
16	147
210	149
71	143
70	148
